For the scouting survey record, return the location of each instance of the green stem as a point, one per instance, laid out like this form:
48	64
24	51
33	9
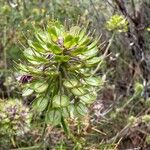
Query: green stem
68	131
13	141
105	54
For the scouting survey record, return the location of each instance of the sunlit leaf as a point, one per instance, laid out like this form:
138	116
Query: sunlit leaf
90	53
53	117
27	92
36	46
93	61
40	104
88	98
79	50
75	30
40	87
52	31
54	48
60	101
94	81
82	109
92	45
61	58
79	91
70	83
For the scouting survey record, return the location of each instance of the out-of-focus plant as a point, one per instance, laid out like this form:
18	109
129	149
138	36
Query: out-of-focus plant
117	23
59	71
148	29
14	118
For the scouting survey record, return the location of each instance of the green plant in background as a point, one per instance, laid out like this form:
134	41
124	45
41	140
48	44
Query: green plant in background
14	118
148	29
59	71
117	23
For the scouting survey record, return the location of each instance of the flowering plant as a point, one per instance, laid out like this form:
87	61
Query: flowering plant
60	71
14	117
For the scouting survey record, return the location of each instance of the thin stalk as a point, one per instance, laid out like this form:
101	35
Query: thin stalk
105	54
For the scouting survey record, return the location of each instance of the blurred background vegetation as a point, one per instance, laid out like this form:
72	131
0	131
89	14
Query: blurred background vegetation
120	117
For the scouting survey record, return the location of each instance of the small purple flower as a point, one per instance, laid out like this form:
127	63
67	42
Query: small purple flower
25	78
60	41
49	56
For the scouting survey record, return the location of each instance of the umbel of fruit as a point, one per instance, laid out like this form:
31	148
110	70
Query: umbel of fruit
117	23
59	71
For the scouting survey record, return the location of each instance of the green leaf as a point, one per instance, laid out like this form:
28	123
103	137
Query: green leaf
36	46
88	98
79	91
27	92
53	33
41	59
93	61
75	67
75	30
81	109
34	57
94	81
62	58
41	36
65	112
72	111
90	53
82	34
54	48
79	50
92	45
84	41
34	62
40	104
53	117
71	83
23	68
60	101
40	87
29	54
67	39
32	70
70	41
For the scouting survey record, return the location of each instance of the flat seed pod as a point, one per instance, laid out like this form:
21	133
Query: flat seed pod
88	98
53	117
40	87
40	104
79	91
94	81
82	109
71	83
27	92
60	101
